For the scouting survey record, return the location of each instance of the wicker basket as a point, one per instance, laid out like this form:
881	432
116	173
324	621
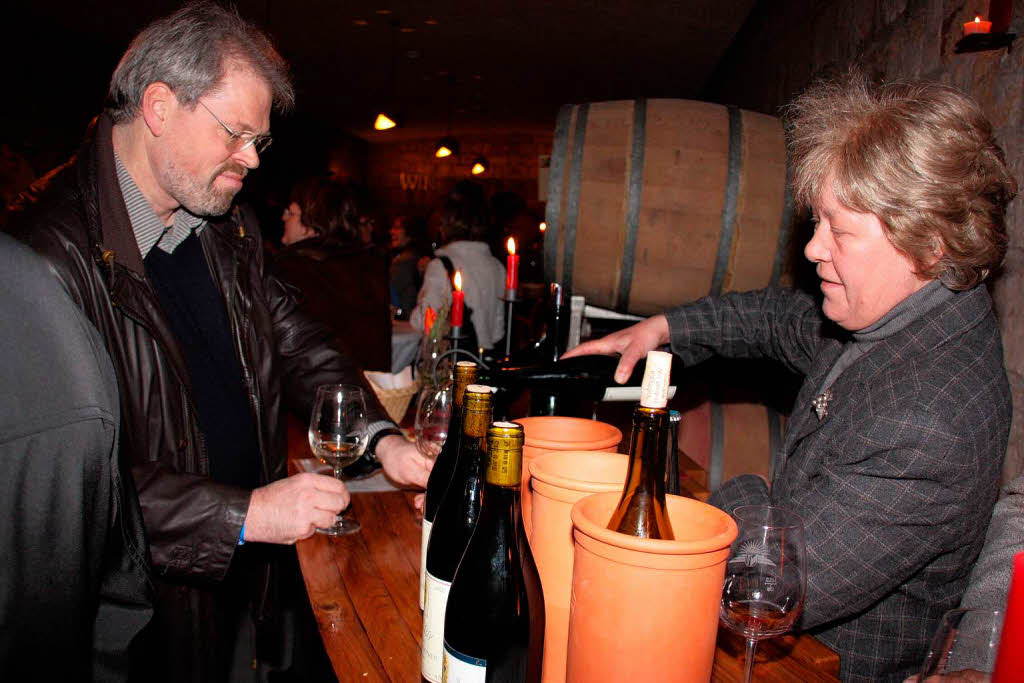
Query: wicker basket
395	401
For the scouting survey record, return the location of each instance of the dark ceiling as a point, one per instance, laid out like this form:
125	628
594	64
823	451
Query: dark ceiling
480	64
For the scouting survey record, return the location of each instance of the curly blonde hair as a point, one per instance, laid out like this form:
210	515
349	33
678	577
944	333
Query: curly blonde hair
920	156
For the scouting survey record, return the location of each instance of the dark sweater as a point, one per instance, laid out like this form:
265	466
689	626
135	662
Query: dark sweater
196	314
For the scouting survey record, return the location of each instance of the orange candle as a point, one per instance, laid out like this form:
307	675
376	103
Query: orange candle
512	267
458	301
977	26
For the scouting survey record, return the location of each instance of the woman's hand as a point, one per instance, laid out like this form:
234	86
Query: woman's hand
632	343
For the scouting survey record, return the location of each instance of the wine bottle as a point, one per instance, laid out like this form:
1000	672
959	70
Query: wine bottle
453	525
494	622
641	510
444	465
569	381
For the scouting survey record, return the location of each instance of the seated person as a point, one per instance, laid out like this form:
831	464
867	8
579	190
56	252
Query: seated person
344	281
409	247
893	450
464	230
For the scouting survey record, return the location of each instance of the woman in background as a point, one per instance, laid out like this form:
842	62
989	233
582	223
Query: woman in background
344	280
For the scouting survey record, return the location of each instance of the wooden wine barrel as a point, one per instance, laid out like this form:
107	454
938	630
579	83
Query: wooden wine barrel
652	203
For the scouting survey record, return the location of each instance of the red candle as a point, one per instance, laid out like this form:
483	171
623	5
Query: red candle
512	267
458	301
977	26
1010	658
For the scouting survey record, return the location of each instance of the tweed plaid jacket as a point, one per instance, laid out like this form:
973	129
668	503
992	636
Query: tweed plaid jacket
895	483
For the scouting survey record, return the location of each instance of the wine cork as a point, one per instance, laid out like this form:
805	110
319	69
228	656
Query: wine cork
654	390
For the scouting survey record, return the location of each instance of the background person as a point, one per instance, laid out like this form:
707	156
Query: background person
893	450
464	234
344	282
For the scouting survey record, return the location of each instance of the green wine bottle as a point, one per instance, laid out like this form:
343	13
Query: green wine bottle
494	622
453	525
444	465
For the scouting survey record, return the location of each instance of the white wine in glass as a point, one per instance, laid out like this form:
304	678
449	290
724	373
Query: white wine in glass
338	436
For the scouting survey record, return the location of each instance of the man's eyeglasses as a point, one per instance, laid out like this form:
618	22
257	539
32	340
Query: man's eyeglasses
238	142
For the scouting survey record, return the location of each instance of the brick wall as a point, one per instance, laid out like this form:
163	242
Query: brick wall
785	45
407	178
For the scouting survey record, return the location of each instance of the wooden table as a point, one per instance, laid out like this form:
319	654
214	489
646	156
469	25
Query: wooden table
364	589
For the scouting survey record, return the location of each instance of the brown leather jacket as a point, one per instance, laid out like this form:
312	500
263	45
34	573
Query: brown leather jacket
76	218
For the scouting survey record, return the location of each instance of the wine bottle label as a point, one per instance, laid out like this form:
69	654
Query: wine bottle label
435	603
460	668
424	539
654	389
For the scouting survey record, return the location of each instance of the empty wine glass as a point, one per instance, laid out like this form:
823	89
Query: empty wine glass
338	436
433	412
765	581
964	646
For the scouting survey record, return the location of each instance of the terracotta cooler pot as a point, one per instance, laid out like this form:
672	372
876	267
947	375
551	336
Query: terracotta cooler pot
559	480
644	609
545	433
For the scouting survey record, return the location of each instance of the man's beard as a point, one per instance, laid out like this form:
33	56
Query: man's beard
199	198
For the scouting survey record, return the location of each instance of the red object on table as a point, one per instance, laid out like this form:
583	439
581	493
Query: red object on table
512	266
458	301
1010	657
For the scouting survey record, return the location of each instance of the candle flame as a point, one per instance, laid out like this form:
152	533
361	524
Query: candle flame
543	226
977	20
458	280
511	245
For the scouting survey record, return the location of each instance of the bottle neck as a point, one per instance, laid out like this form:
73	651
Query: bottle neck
647	450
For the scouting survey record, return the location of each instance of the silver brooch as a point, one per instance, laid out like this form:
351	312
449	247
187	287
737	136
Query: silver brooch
820	404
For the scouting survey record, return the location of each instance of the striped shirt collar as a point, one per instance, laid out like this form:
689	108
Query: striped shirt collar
148	228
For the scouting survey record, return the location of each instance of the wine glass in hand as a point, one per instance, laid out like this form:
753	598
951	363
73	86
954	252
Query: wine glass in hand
338	436
765	580
433	413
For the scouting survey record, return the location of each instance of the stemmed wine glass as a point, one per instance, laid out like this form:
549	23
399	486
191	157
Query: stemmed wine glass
765	580
338	436
433	413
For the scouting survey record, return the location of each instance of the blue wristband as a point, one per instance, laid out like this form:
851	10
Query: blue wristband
241	535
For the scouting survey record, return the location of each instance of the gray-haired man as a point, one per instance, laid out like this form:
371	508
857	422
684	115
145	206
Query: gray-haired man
209	350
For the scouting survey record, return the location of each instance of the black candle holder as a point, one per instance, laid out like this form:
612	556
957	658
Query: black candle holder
455	334
980	42
510	299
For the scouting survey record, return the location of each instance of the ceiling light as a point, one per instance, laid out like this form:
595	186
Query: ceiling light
384	122
446	147
480	166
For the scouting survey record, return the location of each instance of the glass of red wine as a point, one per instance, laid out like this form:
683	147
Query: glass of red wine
765	579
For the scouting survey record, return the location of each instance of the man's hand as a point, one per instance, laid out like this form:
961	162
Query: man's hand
291	509
632	343
403	464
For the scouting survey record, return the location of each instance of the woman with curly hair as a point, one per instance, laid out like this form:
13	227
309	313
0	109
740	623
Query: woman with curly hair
893	451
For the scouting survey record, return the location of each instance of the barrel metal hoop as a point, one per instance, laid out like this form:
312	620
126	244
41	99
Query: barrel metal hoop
556	172
575	178
634	191
732	191
782	248
717	464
